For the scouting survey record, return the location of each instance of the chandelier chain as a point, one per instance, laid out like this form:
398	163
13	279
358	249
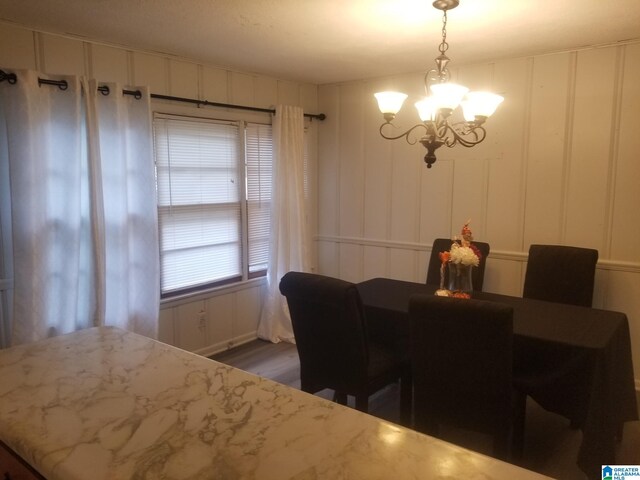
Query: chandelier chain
444	46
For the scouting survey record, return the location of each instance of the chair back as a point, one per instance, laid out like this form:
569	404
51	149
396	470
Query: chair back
329	329
461	359
444	244
560	273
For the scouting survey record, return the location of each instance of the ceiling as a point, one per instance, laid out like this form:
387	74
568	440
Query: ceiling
328	41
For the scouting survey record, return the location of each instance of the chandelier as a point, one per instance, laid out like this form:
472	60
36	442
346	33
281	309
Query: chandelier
442	98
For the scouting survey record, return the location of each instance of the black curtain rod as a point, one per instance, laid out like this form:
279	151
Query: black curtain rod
62	85
318	116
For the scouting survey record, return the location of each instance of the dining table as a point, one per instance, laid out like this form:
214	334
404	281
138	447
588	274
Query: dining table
574	361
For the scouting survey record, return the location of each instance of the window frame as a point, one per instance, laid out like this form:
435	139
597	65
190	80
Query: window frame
241	166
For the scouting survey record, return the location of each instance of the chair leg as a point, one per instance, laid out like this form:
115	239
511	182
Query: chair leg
424	422
406	400
520	414
340	398
501	444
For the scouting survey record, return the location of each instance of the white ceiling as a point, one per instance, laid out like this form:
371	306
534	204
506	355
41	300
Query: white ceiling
326	41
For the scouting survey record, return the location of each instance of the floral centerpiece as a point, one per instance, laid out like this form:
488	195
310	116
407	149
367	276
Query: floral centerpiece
460	259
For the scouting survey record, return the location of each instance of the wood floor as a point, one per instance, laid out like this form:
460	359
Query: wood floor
550	448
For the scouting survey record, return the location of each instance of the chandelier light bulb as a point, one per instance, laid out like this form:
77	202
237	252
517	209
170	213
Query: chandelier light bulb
427	109
480	104
448	95
390	102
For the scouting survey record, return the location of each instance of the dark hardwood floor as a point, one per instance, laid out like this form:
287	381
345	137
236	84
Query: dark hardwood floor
550	448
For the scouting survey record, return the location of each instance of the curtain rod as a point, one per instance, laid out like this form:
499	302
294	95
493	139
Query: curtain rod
62	85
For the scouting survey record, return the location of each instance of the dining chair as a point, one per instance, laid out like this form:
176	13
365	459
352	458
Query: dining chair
335	352
462	367
444	244
560	273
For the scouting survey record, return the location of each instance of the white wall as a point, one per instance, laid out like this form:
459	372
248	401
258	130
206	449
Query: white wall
208	322
561	164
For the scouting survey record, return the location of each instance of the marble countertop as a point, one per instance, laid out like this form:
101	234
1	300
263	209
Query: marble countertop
103	403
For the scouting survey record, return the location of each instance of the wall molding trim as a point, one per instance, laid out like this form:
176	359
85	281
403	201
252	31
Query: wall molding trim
614	265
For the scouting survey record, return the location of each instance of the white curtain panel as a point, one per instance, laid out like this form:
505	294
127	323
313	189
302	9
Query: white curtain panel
129	249
289	248
53	291
64	158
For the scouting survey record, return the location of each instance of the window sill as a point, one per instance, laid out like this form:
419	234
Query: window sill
211	292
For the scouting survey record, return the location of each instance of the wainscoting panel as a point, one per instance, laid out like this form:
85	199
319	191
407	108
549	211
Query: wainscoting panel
350	149
60	55
328	171
403	264
378	168
17	47
626	194
548	147
109	64
351	265
215	84
436	202
374	262
150	70
183	79
592	139
219	315
505	173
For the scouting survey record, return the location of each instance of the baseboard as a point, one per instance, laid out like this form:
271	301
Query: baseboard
226	345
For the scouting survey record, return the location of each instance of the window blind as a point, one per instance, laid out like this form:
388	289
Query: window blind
199	208
259	158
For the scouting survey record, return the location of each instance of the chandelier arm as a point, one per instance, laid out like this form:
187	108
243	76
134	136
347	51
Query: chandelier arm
461	134
405	134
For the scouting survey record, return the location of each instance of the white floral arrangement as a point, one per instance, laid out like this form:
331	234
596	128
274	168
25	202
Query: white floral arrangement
462	252
463	255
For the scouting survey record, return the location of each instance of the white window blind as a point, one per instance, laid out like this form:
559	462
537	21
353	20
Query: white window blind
199	208
259	158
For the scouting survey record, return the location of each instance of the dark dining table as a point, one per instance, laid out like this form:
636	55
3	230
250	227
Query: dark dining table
576	361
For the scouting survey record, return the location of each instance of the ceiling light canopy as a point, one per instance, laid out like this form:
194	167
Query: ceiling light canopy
442	99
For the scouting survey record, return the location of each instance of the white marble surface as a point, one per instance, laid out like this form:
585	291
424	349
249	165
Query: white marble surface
103	403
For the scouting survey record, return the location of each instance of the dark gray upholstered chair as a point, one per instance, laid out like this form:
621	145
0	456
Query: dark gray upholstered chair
444	244
331	337
462	361
562	274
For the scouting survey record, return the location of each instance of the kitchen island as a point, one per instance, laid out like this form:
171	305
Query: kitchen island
103	403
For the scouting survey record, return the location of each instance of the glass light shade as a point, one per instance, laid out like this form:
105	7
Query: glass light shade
427	109
481	104
448	95
390	102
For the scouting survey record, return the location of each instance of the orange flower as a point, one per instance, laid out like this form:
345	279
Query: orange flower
444	256
460	295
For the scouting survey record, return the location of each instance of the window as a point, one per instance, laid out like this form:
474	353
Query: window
259	152
214	193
